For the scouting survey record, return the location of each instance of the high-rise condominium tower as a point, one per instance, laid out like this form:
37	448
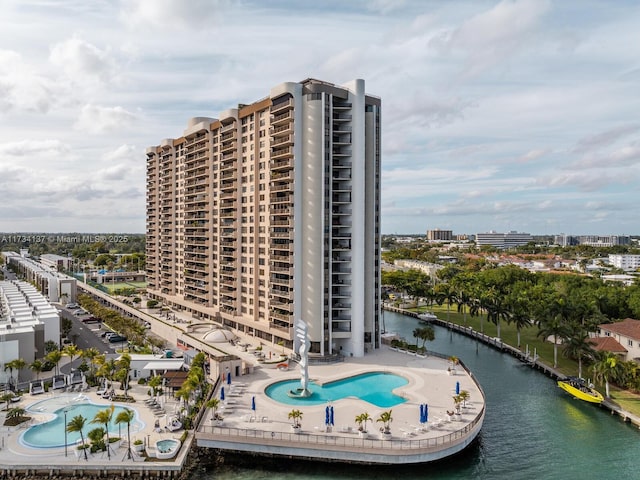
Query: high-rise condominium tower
270	213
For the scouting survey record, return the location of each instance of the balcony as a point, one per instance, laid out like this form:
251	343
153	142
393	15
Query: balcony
281	118
282	141
280	198
279	153
286	164
282	187
282	106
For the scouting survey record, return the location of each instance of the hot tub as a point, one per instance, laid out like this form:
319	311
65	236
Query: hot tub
167	448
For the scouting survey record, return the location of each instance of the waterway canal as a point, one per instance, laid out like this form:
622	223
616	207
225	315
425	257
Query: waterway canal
532	430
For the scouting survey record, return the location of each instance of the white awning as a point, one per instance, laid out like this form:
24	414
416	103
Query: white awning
164	365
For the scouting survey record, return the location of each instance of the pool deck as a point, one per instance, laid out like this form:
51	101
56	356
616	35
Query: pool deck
16	457
267	430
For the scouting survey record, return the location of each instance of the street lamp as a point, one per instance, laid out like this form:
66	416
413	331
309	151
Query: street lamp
65	432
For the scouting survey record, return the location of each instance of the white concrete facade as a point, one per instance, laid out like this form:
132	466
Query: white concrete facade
628	263
27	322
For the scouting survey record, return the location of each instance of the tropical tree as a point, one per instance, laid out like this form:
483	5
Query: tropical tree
578	346
296	415
424	334
606	369
104	417
16	412
464	396
155	383
54	357
127	416
76	424
520	315
214	404
10	366
362	420
6	398
36	367
91	354
386	419
71	351
497	310
19	364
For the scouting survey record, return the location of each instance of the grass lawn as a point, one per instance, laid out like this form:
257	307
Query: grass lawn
529	336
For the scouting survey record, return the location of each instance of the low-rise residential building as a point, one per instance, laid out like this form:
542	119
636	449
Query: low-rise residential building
27	322
628	263
56	262
626	333
424	267
56	286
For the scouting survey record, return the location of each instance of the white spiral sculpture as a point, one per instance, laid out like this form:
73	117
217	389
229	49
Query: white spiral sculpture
303	350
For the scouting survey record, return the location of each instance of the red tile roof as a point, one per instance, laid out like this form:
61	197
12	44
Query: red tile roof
607	344
628	327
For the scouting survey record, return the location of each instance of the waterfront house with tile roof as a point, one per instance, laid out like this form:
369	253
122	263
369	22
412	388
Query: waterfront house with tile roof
626	333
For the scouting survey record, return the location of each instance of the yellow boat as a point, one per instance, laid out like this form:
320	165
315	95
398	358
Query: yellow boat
579	389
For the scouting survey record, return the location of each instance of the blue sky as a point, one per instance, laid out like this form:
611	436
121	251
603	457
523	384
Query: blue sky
514	115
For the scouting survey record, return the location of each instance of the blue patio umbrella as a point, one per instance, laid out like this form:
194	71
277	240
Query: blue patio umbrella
426	413
331	415
253	403
422	413
327	420
228	378
457	388
222	393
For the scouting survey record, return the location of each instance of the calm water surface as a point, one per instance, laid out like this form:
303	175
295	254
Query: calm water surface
532	430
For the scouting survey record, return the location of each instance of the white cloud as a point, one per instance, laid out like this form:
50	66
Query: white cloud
30	148
603	139
22	87
123	152
83	62
171	14
490	37
98	119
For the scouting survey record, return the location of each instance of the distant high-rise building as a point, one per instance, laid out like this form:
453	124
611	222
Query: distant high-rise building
438	235
270	214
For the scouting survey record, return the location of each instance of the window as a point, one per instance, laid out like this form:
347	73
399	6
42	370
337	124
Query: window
630	343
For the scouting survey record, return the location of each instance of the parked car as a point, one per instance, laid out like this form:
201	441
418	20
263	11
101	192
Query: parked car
107	334
91	319
72	305
117	338
80	312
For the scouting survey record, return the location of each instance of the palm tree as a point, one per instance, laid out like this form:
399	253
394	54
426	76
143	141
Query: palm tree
578	346
497	310
54	357
127	416
296	415
10	366
213	404
520	315
76	424
104	417
362	420
36	367
606	368
19	364
386	419
91	354
464	396
6	397
16	412
71	351
155	382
